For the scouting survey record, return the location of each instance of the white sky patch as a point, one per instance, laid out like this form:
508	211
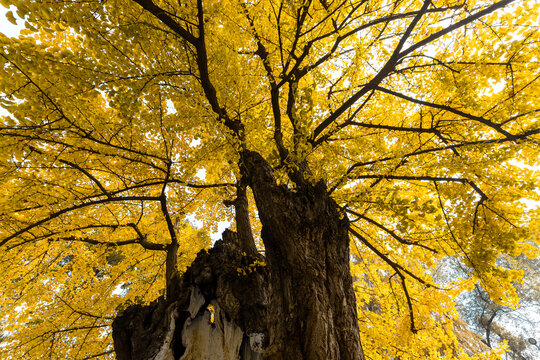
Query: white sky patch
222	225
496	86
530	204
493	88
170	107
195	143
6	27
9	30
201	174
119	290
198	224
523	165
193	221
4	112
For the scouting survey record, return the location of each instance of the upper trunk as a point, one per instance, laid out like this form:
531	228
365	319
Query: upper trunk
306	239
300	306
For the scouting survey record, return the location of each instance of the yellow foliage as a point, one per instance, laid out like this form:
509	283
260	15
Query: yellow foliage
421	118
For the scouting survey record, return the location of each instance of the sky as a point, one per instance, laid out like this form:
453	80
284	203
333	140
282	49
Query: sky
6	27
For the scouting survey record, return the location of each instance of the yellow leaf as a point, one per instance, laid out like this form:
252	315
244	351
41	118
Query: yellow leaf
11	17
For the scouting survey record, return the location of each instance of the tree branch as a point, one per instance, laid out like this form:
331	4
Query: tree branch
443	148
61	212
496	127
172	248
202	60
468	20
390	232
382	20
167	20
262	53
387	260
373	83
84	313
140	241
394	128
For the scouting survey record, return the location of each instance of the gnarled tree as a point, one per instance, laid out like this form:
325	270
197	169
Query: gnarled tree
405	129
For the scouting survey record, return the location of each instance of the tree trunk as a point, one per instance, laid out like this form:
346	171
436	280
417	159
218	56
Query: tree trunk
300	306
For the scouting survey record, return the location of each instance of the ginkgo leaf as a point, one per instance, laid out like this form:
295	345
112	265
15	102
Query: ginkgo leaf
11	17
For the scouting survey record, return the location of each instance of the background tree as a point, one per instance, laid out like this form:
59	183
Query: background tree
407	129
497	323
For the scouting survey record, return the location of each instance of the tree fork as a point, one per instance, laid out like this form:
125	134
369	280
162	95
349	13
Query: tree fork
300	306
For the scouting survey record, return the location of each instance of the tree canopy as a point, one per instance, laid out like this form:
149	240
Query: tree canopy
127	121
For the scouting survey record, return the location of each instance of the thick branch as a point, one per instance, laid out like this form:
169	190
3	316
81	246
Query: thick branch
172	248
459	24
386	259
201	57
424	178
73	208
386	69
488	328
413	328
262	53
443	148
170	181
140	241
390	232
202	63
496	127
302	13
88	174
435	179
243	224
394	128
167	20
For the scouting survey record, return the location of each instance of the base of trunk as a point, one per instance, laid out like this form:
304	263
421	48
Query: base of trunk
217	311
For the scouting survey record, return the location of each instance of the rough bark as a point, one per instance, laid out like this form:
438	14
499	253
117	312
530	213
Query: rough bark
243	225
300	306
306	240
180	326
